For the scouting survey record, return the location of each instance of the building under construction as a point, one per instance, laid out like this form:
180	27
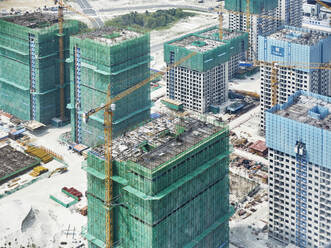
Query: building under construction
171	186
29	65
262	19
294	57
110	56
290	12
298	135
202	81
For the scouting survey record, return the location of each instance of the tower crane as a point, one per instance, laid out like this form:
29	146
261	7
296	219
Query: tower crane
324	5
61	6
108	109
277	64
248	14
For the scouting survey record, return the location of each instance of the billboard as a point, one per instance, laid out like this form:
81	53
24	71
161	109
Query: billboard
277	51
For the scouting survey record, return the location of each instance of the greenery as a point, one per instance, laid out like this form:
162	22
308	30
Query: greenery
149	20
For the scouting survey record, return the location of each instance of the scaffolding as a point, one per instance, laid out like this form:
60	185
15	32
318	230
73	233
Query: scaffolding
294	115
255	6
29	65
171	190
298	135
109	56
211	51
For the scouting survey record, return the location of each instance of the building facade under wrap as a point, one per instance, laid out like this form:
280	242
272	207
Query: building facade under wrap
298	135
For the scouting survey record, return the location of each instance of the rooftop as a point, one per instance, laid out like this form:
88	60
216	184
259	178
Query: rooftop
12	161
33	20
110	35
227	34
309	110
159	140
299	36
196	43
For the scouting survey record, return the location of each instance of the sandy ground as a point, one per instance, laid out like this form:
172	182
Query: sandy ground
105	4
251	83
189	25
22	4
50	219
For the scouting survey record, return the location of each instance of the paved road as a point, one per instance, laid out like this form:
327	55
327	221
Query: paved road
88	10
97	23
133	8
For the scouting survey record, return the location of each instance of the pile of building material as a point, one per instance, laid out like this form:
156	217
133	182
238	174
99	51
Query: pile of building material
39	153
38	170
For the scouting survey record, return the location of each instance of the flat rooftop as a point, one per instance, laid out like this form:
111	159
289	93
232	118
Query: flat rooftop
197	44
307	109
156	142
299	36
227	34
12	161
33	20
110	35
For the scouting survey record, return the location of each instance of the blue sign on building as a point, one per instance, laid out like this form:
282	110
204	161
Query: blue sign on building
278	51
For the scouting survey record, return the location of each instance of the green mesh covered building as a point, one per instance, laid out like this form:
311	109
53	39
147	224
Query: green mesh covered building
258	23
120	58
29	65
171	187
255	7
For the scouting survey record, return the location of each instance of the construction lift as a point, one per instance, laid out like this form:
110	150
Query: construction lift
109	109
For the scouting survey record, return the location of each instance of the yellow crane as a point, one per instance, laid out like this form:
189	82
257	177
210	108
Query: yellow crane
248	18
221	21
278	64
109	108
61	52
324	5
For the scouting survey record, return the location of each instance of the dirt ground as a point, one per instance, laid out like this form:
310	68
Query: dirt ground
22	4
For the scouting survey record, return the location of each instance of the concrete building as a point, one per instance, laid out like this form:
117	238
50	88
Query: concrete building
290	12
296	53
258	25
171	186
202	80
298	135
110	56
29	65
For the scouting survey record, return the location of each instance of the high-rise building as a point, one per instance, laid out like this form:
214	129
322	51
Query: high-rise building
296	54
29	65
262	20
170	187
290	12
298	135
202	80
110	56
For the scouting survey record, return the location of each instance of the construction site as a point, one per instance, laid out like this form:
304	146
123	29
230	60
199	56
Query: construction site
108	59
29	66
295	58
156	167
210	68
121	137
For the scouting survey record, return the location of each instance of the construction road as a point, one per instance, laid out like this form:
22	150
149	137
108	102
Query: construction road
88	10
